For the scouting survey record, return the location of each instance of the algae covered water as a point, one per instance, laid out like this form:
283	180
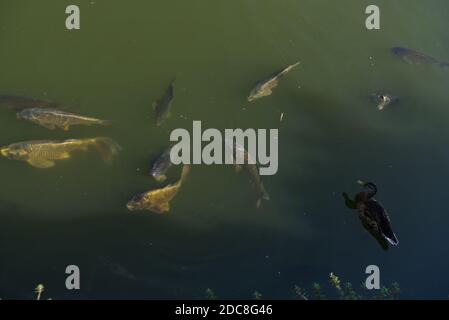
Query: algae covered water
122	60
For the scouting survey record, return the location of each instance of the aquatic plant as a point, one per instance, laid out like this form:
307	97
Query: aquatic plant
300	293
347	291
335	282
344	292
210	294
317	292
395	290
257	295
39	290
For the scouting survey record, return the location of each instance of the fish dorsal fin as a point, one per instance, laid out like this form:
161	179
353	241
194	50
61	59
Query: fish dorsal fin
41	163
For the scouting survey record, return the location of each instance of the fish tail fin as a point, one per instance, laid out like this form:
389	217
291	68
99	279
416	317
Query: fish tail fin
295	64
290	67
265	195
106	123
185	173
107	148
444	65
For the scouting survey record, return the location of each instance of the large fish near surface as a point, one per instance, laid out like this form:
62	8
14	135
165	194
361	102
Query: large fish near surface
265	87
414	57
43	154
161	166
52	118
163	105
158	201
18	102
252	169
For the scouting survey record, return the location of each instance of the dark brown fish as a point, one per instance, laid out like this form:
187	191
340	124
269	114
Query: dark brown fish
414	57
18	102
163	105
161	166
53	118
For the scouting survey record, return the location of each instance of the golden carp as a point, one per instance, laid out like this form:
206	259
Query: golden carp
52	118
163	105
158	201
43	154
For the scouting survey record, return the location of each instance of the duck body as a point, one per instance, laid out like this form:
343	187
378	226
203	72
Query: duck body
373	216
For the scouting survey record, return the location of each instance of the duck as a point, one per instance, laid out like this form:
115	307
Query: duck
372	214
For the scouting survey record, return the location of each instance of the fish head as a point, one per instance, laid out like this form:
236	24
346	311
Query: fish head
259	92
4	152
148	201
254	95
160	167
26	114
159	120
138	202
134	203
384	100
15	152
158	172
162	115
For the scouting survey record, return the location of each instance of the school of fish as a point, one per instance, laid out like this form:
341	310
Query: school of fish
44	154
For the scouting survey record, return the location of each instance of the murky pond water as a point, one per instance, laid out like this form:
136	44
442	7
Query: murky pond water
123	58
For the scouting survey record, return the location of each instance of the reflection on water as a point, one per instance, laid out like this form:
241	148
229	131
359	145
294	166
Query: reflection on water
331	135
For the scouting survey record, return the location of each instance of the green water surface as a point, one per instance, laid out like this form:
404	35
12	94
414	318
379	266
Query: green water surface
122	59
